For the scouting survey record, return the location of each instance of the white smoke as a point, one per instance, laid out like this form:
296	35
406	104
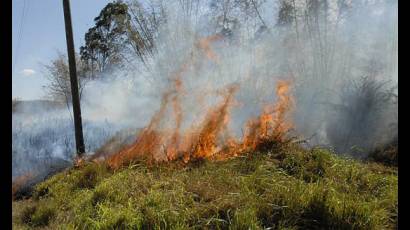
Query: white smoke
320	61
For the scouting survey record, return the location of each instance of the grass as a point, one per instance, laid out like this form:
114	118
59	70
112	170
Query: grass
287	188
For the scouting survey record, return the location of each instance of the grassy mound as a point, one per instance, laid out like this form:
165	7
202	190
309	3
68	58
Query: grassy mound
287	188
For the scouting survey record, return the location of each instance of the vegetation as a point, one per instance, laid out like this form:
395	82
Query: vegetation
283	188
386	154
120	29
57	72
103	41
365	115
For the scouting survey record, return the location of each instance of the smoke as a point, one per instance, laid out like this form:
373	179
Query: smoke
342	65
348	98
341	58
44	142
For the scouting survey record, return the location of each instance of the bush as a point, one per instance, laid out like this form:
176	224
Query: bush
42	216
387	154
26	214
363	117
37	216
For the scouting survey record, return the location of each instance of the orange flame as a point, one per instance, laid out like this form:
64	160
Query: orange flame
272	124
215	122
205	45
210	139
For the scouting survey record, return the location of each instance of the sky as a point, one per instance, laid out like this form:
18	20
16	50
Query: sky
42	35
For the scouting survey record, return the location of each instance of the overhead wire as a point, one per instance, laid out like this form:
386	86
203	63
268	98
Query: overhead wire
20	34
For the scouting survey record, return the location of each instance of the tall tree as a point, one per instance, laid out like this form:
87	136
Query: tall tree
104	41
120	29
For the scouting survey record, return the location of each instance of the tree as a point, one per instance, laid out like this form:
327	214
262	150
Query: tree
104	41
286	13
143	27
57	72
231	15
121	29
225	17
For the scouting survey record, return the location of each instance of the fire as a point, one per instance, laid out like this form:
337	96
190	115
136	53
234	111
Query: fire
272	124
205	45
215	122
209	138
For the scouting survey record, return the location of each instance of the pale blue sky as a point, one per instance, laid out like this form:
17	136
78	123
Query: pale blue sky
42	36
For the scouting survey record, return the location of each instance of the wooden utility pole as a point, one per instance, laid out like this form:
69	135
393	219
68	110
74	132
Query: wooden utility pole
79	140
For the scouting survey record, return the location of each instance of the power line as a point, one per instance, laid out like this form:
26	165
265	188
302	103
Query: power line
20	32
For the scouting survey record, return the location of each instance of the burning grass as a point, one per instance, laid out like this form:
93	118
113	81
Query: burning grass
286	187
211	138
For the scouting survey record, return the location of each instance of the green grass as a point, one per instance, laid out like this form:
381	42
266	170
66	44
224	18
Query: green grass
286	188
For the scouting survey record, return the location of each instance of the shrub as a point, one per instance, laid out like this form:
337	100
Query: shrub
362	117
42	215
387	154
37	216
26	214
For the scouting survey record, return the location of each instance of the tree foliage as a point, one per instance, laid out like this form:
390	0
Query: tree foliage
120	29
104	41
57	72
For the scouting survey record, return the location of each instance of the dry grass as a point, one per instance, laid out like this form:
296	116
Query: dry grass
284	188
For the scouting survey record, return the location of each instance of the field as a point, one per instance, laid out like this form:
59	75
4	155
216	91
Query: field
284	187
